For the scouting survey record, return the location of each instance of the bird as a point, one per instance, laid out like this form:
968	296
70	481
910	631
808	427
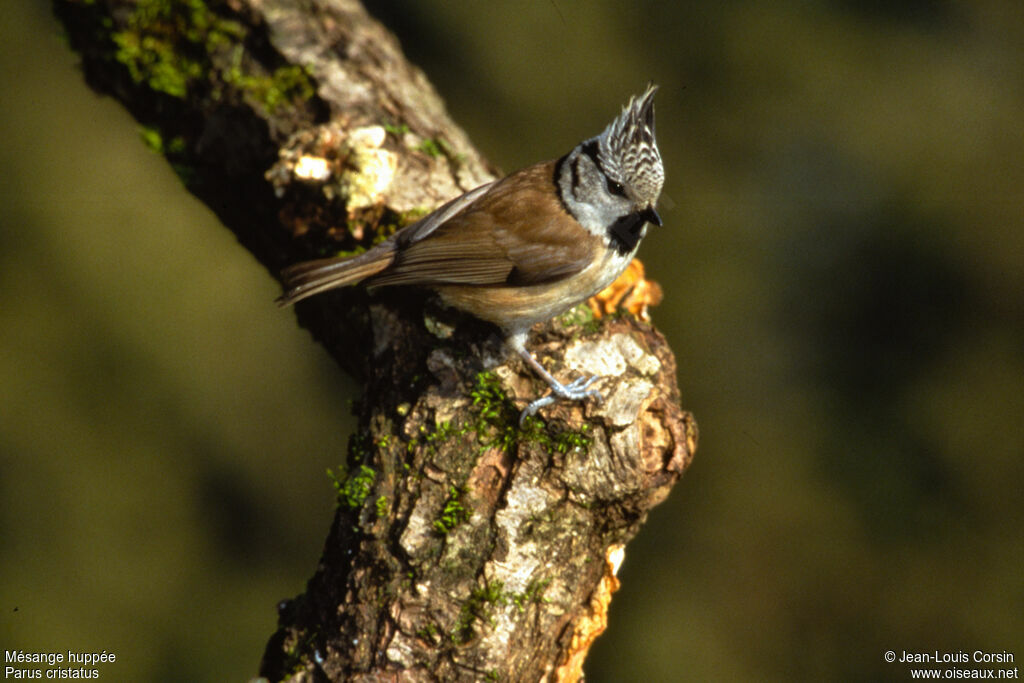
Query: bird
526	248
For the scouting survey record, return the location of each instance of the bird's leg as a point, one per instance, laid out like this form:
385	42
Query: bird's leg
577	390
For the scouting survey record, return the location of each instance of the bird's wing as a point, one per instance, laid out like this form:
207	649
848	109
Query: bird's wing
516	232
426	225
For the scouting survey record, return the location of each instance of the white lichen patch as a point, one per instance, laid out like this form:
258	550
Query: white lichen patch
601	358
645	363
515	572
611	357
402	650
352	164
367	137
420	528
517	569
612	470
369	169
438	328
625	402
312	168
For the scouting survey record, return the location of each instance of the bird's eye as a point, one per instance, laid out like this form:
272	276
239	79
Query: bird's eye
616	188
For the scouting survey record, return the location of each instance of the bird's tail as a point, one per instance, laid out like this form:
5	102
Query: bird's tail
305	279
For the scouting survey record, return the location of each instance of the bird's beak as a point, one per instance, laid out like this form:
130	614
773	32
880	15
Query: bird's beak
650	215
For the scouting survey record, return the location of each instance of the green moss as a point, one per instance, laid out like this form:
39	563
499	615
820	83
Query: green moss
443	432
391	222
172	46
381	229
353	487
398	130
566	441
497	419
455	511
497	422
360	446
164	44
347	253
154	140
285	85
432	147
533	594
411	216
481	605
489	398
485	600
382	506
154	62
582	316
428	632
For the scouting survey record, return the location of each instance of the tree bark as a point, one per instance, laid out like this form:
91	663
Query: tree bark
464	547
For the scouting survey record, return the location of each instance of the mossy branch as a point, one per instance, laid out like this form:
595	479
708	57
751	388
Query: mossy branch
464	546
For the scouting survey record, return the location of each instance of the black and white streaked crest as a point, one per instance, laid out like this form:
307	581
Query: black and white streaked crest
630	152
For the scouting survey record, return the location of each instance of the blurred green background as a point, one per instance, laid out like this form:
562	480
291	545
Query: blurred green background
843	261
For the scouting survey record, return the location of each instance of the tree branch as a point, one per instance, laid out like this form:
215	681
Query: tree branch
463	546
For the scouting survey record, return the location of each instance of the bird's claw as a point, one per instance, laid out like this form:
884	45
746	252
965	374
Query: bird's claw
576	390
579	389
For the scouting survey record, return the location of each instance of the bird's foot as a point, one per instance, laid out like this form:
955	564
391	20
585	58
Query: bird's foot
577	390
